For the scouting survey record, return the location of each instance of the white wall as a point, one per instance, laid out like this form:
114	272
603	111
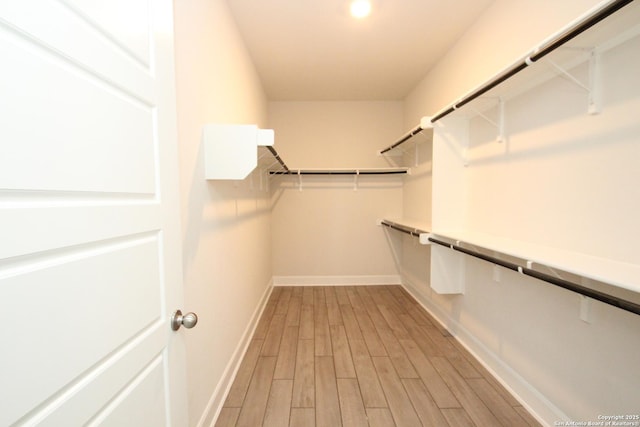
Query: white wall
226	225
327	232
561	179
504	33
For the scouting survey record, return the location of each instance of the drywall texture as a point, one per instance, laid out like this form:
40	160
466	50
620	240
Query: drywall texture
328	230
226	225
562	178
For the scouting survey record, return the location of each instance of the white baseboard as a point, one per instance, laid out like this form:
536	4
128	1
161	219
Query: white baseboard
535	402
335	280
214	406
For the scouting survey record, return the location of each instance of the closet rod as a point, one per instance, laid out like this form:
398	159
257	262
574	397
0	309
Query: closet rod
340	172
583	290
409	135
538	54
275	154
404	229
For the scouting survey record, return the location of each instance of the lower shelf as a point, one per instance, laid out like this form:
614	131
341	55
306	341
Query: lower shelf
535	261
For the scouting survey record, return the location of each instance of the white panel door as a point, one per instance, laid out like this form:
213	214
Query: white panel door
90	260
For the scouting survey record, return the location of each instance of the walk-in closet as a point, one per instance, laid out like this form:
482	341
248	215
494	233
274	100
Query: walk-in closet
504	209
498	195
228	213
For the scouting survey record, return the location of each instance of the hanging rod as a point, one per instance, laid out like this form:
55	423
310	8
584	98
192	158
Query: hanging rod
342	172
537	54
404	139
580	289
416	232
425	123
277	156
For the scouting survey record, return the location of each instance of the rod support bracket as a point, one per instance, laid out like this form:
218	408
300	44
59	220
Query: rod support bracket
595	98
592	87
501	135
499	122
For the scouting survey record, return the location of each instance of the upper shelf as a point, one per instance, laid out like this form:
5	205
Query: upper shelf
364	171
234	151
559	54
231	151
425	123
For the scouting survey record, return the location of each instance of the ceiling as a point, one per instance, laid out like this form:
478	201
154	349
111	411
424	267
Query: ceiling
313	50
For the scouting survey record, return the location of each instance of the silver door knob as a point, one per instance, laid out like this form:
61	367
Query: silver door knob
188	320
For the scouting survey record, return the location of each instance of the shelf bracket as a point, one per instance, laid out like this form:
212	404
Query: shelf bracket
355	180
271	165
595	98
594	102
299	180
264	180
499	123
501	136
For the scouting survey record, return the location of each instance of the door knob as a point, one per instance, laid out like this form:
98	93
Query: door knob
188	320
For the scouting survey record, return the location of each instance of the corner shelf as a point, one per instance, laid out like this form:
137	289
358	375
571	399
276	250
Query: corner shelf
231	151
425	124
408	227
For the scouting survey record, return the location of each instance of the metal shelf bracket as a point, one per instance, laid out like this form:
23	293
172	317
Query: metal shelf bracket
594	101
499	123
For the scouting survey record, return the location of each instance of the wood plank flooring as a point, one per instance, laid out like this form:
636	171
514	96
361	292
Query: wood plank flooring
361	356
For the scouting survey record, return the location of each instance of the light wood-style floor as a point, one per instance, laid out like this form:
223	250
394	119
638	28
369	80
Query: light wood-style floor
361	356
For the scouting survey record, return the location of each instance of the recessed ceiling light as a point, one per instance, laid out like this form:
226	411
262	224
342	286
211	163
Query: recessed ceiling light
360	8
